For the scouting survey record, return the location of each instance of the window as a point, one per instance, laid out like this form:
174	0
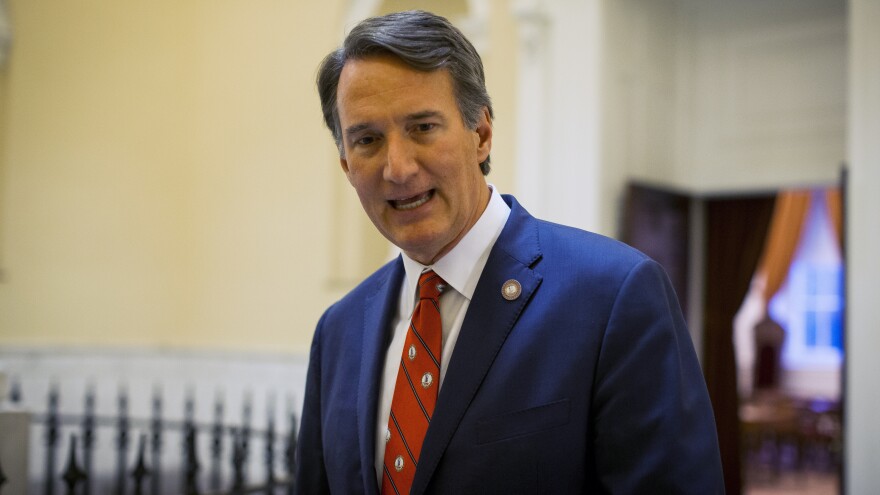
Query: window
810	303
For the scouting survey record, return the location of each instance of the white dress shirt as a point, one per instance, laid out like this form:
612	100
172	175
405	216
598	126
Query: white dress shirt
461	269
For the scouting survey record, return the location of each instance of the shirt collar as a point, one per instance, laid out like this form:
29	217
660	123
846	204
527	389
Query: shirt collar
461	267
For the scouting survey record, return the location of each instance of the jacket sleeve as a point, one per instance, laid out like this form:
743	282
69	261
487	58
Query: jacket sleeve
654	428
311	474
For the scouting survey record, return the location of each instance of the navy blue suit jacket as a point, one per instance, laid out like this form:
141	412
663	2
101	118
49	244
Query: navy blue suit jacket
586	383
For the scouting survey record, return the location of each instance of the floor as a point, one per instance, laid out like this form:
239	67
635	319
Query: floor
790	447
777	471
807	483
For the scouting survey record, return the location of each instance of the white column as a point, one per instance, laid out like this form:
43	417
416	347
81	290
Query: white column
558	165
862	429
532	113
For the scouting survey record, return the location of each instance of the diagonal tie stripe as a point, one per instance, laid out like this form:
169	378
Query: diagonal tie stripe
422	341
403	439
415	391
390	481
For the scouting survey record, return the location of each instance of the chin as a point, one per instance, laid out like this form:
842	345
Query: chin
416	249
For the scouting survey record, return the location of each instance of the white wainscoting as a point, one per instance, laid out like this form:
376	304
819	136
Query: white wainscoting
270	382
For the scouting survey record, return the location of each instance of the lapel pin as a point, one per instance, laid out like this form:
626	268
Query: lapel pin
511	290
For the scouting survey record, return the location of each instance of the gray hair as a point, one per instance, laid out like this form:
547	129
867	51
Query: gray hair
425	42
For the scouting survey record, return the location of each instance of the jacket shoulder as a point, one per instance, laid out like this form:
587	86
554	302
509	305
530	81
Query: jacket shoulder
580	247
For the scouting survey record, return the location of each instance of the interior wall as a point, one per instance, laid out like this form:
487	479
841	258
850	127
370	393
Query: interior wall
4	103
763	94
166	176
710	96
639	104
500	60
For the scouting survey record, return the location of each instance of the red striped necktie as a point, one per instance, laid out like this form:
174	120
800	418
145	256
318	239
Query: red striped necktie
415	392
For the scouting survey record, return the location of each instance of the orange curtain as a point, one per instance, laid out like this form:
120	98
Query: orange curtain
834	203
784	233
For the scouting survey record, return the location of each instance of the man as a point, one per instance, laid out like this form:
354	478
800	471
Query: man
564	364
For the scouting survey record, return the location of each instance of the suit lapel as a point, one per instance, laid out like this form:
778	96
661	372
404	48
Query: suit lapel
378	311
488	322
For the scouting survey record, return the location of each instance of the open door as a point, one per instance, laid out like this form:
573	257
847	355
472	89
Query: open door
732	235
657	221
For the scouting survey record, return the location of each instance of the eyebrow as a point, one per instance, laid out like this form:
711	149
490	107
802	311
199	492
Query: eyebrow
424	114
356	128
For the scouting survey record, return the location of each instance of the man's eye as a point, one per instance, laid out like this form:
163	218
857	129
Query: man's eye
366	140
425	127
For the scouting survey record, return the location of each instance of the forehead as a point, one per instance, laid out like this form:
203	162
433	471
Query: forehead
386	83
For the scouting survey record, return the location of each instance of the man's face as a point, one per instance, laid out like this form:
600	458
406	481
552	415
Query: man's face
409	155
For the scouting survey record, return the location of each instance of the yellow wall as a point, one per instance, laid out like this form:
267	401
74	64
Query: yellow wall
500	61
4	99
164	170
166	178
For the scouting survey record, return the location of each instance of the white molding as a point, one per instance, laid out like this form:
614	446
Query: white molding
559	176
532	106
140	370
475	25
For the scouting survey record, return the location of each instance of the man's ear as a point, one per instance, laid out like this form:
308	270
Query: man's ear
484	136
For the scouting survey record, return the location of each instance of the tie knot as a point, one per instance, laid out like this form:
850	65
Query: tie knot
431	285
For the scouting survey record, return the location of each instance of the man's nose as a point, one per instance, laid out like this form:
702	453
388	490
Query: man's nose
400	162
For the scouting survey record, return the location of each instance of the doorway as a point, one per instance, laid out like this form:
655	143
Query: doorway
782	440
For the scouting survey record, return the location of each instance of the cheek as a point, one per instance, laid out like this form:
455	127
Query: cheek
370	196
352	179
357	179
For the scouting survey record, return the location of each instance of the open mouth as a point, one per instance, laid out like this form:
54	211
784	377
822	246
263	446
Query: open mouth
412	202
